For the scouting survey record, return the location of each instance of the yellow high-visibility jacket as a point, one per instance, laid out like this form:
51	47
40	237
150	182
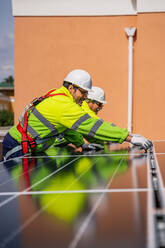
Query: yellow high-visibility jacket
56	114
87	109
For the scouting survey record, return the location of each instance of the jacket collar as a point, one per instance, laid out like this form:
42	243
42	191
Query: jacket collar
66	91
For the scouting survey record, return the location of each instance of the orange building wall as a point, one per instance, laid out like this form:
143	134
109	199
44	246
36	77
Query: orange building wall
47	48
149	82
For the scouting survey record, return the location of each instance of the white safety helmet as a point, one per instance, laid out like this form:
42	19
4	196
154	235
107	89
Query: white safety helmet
97	94
80	78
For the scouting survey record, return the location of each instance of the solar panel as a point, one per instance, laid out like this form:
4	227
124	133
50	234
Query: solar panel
105	199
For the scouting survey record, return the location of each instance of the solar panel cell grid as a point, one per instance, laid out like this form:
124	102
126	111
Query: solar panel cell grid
100	200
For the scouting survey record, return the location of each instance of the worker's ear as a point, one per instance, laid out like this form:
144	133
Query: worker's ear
70	88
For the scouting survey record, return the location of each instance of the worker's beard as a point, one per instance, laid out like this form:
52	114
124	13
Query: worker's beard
79	100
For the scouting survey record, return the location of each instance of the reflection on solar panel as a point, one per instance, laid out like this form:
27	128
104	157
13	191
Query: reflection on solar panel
111	199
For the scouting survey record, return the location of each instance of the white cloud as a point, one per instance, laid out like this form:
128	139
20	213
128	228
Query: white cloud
5	71
10	36
6	41
6	55
7	68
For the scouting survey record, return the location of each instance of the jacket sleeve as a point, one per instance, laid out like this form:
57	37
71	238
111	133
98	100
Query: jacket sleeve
75	118
74	137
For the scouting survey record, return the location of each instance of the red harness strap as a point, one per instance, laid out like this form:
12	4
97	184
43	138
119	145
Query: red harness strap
49	94
26	139
25	136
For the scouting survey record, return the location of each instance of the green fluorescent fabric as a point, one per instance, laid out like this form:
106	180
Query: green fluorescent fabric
63	112
95	127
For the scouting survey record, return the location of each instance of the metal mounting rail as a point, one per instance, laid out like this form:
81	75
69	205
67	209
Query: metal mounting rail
158	202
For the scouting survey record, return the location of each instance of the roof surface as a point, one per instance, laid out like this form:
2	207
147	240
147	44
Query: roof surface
6	85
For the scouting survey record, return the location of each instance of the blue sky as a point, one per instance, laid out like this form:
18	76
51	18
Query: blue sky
6	39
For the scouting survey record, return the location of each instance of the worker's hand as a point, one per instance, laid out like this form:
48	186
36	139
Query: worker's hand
92	147
139	140
78	149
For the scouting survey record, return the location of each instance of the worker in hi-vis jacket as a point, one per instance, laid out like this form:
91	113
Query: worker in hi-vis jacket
52	114
94	102
91	105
